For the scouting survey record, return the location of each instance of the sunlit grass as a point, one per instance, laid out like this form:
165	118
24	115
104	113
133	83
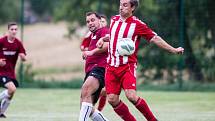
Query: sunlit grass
63	105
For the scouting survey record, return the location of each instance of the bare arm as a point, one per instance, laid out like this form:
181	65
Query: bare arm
22	56
164	45
102	40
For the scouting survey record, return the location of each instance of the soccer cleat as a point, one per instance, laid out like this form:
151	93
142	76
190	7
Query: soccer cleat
2	116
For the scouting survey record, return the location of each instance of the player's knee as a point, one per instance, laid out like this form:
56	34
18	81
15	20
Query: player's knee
131	96
11	90
113	100
84	92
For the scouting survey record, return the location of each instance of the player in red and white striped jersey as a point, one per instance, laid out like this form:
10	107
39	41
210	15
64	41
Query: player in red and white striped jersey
120	72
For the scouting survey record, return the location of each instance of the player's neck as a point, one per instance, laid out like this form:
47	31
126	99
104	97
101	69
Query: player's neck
10	39
124	18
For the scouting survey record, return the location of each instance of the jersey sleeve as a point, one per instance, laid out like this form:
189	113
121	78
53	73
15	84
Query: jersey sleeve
1	52
86	40
21	48
144	31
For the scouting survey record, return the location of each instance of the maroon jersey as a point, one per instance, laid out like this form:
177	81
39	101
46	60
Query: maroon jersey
96	60
131	28
10	52
86	40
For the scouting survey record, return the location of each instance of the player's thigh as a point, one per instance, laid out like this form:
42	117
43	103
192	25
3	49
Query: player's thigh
112	84
91	84
7	83
128	81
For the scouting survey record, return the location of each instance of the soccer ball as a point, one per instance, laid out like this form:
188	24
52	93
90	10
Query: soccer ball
125	47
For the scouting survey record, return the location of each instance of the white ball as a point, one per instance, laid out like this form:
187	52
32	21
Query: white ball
125	47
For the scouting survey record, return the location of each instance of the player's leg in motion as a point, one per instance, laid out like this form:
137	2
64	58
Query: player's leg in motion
89	87
140	104
102	100
120	108
6	97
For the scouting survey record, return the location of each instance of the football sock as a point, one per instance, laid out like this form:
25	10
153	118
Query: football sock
86	109
142	106
4	105
123	112
4	94
98	116
102	102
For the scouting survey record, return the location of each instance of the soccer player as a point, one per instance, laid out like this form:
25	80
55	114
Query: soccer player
10	49
84	46
94	69
120	71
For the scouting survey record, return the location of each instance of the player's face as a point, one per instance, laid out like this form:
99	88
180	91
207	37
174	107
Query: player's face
103	22
93	23
12	30
125	9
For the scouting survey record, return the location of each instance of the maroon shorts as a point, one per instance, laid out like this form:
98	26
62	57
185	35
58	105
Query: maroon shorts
120	77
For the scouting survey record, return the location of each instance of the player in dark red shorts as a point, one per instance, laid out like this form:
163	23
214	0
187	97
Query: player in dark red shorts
10	49
94	68
120	71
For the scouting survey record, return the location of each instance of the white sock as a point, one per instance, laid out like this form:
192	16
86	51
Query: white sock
4	94
4	105
86	109
98	116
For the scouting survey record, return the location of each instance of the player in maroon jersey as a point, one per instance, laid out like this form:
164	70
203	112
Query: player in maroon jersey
120	71
94	68
84	46
10	49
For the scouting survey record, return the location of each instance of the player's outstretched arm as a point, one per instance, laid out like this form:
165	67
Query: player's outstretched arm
22	56
97	50
164	45
102	40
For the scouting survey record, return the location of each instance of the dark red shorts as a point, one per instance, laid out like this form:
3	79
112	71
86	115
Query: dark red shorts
120	77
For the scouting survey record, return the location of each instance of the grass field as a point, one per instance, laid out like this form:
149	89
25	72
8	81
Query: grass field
63	105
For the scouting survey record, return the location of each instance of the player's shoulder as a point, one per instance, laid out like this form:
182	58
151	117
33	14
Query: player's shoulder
115	18
104	29
137	20
18	41
2	39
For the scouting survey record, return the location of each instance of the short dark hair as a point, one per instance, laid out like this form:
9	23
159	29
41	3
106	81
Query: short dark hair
11	24
95	13
134	3
103	16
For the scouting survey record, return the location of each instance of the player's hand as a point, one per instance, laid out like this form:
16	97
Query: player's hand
22	56
100	43
179	50
85	54
82	48
2	62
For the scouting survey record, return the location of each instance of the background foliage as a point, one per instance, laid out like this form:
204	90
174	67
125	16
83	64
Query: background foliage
163	16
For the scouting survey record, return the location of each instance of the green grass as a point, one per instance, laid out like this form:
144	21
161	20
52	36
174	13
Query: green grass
63	105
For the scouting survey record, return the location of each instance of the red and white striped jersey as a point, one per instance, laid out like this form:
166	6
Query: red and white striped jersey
132	28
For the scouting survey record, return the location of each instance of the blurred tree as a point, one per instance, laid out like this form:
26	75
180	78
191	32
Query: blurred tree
161	15
42	6
9	10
